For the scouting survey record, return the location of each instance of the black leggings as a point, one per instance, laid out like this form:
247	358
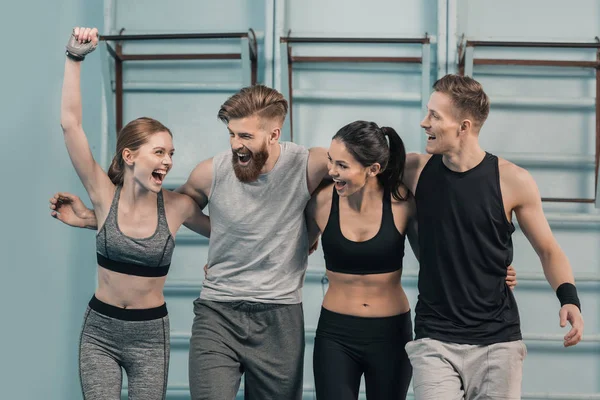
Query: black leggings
346	347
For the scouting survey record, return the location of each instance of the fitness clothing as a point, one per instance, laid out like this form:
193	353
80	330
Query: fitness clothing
136	340
118	252
346	347
465	247
380	254
258	247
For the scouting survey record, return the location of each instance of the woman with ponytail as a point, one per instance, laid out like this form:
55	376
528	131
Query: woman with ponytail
363	217
126	324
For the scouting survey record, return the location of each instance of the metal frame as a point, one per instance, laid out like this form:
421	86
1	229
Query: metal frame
290	59
467	61
248	54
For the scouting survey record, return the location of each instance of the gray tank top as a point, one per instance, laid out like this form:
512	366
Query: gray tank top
118	252
258	247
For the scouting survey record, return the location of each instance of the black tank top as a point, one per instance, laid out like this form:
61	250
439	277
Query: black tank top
380	254
465	246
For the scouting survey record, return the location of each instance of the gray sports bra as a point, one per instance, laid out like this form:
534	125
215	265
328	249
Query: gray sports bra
149	256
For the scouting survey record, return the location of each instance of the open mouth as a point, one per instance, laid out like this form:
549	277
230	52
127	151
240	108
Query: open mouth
158	176
430	136
339	185
244	158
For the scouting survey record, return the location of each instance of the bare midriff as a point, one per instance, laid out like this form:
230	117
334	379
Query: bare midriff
129	291
372	295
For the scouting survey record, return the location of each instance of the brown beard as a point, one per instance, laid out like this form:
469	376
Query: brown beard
250	172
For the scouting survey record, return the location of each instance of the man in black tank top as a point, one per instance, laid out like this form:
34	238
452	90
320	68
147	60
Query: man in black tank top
467	329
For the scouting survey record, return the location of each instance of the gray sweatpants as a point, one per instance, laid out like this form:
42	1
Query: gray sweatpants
265	342
139	346
453	371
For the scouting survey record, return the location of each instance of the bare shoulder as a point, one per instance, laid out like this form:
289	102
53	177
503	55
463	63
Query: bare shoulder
317	153
514	176
200	180
180	205
176	200
203	170
416	161
199	183
517	185
317	158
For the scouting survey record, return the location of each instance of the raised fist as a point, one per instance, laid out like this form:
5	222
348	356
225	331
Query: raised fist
82	42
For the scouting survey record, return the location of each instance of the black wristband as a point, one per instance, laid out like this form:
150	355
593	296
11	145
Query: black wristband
567	294
74	57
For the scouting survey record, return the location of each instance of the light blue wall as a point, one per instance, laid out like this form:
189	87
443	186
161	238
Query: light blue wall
528	125
48	271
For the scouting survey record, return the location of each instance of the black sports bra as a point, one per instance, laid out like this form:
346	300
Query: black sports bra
380	254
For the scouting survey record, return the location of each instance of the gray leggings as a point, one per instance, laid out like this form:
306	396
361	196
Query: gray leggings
135	340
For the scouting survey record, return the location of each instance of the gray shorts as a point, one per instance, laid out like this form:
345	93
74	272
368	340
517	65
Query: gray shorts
265	342
453	371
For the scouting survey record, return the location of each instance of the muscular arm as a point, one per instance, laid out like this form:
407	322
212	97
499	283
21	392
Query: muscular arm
317	169
412	170
528	209
199	183
317	212
195	219
412	228
311	223
533	223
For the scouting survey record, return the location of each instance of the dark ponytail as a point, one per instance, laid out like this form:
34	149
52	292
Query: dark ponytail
367	143
393	174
